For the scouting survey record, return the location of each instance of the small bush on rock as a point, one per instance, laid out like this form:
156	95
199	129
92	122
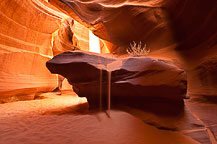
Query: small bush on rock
137	49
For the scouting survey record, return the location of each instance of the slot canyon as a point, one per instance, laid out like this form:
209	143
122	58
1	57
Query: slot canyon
108	71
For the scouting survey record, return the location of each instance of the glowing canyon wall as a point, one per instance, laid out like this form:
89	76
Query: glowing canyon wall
25	45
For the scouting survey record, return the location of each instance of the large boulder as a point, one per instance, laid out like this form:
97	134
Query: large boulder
132	78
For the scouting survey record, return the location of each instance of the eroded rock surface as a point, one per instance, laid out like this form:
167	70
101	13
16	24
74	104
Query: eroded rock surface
132	78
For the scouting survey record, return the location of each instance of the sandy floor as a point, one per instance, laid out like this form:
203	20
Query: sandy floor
66	119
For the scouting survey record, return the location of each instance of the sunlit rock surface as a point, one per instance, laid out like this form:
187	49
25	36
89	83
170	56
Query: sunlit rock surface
26	29
132	78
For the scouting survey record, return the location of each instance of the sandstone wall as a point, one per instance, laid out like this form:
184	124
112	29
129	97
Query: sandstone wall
26	29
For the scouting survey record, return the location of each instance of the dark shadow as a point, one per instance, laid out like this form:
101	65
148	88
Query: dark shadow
38	97
193	22
204	99
158	106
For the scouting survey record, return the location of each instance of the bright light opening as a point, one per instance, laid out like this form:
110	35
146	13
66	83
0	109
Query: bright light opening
94	45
